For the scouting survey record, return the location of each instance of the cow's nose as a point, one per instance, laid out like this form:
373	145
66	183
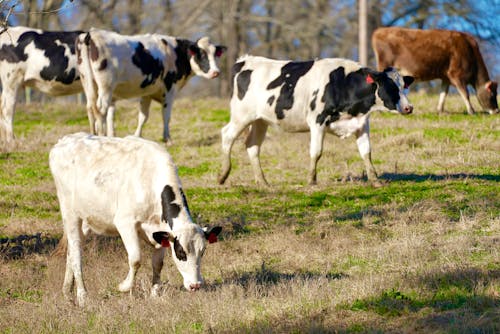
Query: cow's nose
194	286
215	74
408	109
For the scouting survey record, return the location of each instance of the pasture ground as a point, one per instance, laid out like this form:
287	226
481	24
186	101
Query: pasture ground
419	255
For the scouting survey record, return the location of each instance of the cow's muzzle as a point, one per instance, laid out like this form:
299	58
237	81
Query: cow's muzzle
214	74
194	287
408	109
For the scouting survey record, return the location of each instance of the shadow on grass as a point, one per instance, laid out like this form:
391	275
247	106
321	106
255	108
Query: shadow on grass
265	276
14	248
435	177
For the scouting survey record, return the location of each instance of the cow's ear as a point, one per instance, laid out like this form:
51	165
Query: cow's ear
408	80
491	86
211	235
193	50
163	238
219	50
369	79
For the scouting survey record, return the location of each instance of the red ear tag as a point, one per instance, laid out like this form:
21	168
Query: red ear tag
165	243
218	53
212	237
191	52
369	79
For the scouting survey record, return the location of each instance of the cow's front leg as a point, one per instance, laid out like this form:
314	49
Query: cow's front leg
110	127
130	239
315	151
167	112
445	86
157	262
143	115
253	143
363	142
8	105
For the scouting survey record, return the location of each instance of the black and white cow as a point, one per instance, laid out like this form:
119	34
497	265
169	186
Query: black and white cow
44	60
327	95
128	187
152	67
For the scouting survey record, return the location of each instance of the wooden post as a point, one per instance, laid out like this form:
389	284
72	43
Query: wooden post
363	33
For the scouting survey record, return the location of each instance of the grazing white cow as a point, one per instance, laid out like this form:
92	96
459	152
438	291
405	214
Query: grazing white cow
327	95
44	60
128	187
152	67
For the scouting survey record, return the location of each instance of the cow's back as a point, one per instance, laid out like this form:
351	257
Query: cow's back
283	92
135	65
44	60
424	54
101	177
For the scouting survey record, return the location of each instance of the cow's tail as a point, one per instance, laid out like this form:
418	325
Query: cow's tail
83	46
61	247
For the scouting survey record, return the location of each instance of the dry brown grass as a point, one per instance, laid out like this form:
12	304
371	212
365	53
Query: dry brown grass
388	266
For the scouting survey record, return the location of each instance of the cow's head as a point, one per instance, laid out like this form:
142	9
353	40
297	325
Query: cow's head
202	58
188	242
487	96
391	90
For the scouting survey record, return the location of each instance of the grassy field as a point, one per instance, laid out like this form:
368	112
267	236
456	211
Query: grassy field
420	254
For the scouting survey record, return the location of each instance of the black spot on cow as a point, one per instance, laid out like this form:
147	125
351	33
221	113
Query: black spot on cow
103	65
313	100
270	100
182	65
346	93
179	251
235	70
54	46
243	81
94	52
290	74
170	210
184	200
151	67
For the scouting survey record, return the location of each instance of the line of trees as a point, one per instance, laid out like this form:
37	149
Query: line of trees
286	29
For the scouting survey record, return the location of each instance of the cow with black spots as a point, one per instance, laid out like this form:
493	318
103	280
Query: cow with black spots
44	60
327	95
127	187
150	67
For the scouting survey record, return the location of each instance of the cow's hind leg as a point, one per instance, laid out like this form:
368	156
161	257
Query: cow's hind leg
364	148
74	272
253	143
229	133
143	115
130	239
315	151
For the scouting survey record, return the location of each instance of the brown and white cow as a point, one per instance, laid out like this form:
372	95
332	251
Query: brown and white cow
128	187
44	60
451	56
151	66
327	95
